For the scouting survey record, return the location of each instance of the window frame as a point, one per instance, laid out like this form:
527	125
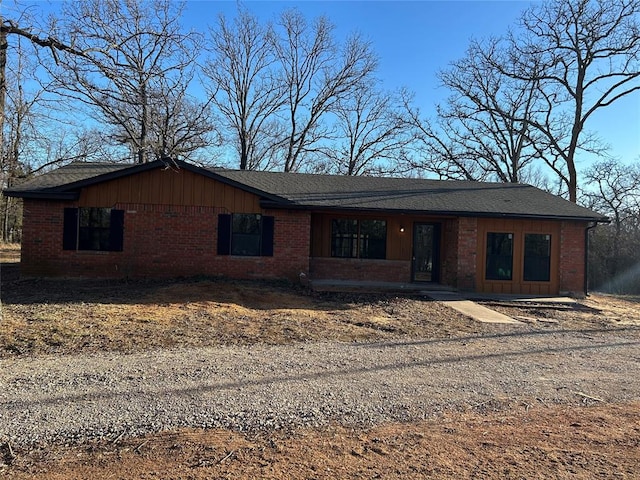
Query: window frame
354	241
344	241
94	228
246	234
228	239
83	237
539	258
496	261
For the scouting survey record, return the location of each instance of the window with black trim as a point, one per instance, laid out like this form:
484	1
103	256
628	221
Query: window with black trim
537	257
92	228
245	234
344	235
499	262
358	238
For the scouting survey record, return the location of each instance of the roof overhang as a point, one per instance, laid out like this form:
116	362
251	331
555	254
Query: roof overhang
268	200
42	195
431	213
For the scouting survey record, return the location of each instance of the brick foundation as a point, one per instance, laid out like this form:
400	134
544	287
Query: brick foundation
360	269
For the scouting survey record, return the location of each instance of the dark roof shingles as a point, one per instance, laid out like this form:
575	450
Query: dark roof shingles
352	193
71	173
410	194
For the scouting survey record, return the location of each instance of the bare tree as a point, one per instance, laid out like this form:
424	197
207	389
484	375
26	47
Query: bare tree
371	130
318	74
13	28
24	112
584	55
615	191
245	86
135	55
484	121
432	151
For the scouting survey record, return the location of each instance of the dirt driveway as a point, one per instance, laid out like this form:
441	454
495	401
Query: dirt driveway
116	404
207	379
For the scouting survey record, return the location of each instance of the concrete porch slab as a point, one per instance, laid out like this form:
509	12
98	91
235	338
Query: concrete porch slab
358	286
519	298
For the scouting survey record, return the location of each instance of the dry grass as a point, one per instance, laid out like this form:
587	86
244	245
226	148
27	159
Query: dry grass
69	316
9	253
597	310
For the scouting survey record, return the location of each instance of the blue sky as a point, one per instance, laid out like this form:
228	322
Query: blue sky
416	39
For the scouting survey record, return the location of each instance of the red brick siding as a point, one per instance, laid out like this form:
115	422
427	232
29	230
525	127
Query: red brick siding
165	240
449	252
360	269
572	268
160	241
41	237
467	253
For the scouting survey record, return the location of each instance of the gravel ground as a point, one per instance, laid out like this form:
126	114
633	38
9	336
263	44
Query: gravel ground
70	399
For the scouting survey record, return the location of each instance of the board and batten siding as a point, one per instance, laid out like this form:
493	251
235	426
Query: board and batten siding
399	244
519	228
170	187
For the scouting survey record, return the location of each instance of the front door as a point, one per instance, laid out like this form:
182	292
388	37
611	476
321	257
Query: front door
426	252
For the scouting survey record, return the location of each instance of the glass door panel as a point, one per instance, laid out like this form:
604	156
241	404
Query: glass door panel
425	252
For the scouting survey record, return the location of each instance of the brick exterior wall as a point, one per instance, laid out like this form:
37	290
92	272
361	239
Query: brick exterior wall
160	241
171	241
360	269
41	246
467	253
572	253
449	253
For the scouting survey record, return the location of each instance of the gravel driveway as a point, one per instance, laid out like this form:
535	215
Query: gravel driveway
73	398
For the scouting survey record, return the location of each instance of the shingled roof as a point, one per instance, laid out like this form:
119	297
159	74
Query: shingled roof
334	192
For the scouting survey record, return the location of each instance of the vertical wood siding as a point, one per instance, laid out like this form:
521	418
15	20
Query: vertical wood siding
170	187
518	228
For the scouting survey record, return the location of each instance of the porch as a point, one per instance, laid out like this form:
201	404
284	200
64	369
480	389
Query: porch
365	286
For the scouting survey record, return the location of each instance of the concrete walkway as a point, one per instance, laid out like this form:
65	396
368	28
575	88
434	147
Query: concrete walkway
471	309
440	293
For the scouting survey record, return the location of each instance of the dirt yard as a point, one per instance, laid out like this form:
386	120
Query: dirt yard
503	440
576	443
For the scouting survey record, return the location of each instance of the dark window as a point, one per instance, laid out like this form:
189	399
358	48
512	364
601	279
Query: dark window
499	256
98	229
537	257
358	238
373	239
245	234
344	235
94	227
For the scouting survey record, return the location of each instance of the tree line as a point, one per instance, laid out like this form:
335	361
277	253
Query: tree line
123	80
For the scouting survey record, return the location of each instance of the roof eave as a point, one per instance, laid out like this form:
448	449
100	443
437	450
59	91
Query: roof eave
445	213
71	191
42	194
266	196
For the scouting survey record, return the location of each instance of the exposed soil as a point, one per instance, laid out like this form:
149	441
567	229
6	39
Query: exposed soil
500	440
73	316
538	443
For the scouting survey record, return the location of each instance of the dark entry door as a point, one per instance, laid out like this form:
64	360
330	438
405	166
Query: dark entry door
426	252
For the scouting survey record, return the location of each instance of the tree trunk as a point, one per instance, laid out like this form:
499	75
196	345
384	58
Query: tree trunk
4	44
